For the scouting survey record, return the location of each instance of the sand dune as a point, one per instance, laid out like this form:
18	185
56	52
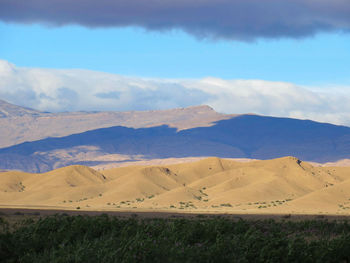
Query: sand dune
283	185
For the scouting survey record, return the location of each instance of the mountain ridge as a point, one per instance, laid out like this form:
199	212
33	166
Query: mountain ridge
245	136
8	110
31	125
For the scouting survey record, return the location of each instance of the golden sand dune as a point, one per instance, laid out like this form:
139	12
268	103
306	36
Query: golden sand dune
284	185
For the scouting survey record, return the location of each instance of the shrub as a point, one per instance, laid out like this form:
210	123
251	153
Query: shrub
102	238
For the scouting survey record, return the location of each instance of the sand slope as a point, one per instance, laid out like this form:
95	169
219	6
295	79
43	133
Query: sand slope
283	185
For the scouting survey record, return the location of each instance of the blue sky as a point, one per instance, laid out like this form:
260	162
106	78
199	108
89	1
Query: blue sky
320	60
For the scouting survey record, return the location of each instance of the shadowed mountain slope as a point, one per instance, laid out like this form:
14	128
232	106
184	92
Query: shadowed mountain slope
18	124
246	136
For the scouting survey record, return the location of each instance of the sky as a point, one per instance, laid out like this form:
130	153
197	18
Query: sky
286	58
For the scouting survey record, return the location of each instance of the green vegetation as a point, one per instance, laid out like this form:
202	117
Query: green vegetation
344	206
227	205
21	187
198	197
201	191
188	204
271	203
63	238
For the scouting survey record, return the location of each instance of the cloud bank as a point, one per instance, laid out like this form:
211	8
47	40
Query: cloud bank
83	90
225	19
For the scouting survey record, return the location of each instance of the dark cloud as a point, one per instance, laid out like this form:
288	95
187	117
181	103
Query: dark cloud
227	19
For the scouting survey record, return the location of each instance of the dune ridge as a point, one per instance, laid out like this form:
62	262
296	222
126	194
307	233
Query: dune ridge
283	185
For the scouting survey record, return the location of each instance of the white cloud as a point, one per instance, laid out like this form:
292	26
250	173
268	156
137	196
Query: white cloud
75	90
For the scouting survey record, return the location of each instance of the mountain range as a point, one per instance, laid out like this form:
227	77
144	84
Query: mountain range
104	138
19	124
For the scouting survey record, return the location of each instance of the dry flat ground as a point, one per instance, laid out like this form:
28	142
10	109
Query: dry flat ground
279	186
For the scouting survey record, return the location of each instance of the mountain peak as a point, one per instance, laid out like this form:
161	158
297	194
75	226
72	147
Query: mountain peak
201	107
198	109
